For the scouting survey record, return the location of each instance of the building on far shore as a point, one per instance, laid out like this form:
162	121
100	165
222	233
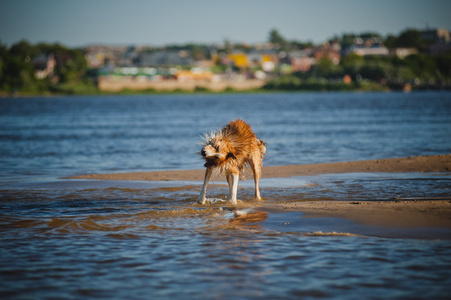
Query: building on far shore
440	40
403	52
44	66
437	35
369	47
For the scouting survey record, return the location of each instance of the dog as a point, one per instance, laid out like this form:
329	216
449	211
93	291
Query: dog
228	152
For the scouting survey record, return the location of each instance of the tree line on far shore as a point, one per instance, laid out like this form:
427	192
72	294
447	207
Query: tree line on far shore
18	72
71	74
420	70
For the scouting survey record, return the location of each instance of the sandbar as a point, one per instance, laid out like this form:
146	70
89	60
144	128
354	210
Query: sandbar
412	213
389	214
431	163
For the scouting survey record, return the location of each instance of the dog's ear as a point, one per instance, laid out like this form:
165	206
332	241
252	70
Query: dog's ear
230	155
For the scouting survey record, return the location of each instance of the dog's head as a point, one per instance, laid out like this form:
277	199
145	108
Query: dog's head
217	148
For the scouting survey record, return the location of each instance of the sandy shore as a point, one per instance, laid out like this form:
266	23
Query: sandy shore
390	214
415	213
433	163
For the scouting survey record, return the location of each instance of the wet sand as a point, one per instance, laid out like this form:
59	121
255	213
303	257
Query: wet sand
389	214
433	163
401	213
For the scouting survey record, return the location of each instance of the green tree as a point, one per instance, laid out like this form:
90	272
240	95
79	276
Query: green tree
44	48
443	63
23	50
423	66
390	41
377	68
327	69
276	38
347	40
18	74
301	45
3	58
410	38
72	65
17	70
352	64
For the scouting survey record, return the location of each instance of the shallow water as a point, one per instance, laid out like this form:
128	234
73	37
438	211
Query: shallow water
77	239
106	239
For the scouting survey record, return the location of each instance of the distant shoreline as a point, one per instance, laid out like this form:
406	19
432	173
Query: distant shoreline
432	163
200	90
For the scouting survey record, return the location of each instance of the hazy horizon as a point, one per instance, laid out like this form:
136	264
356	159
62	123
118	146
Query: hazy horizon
158	23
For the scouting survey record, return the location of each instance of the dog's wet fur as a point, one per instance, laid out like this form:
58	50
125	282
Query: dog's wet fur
228	151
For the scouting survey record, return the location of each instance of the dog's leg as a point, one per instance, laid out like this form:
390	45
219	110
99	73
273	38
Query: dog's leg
203	192
257	189
256	170
233	187
229	178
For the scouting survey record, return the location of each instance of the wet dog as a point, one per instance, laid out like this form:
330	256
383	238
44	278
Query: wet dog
228	152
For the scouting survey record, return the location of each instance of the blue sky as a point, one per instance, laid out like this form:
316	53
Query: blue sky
158	22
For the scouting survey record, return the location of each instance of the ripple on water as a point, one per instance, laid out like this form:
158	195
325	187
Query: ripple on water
136	240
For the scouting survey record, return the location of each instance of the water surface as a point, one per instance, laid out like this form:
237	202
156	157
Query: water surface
76	135
80	239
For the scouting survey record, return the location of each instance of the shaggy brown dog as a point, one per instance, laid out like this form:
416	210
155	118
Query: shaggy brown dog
228	152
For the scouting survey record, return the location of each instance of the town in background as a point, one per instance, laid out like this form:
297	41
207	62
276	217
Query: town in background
415	59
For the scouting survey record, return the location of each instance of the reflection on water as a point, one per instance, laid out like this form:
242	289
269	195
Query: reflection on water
150	240
134	240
